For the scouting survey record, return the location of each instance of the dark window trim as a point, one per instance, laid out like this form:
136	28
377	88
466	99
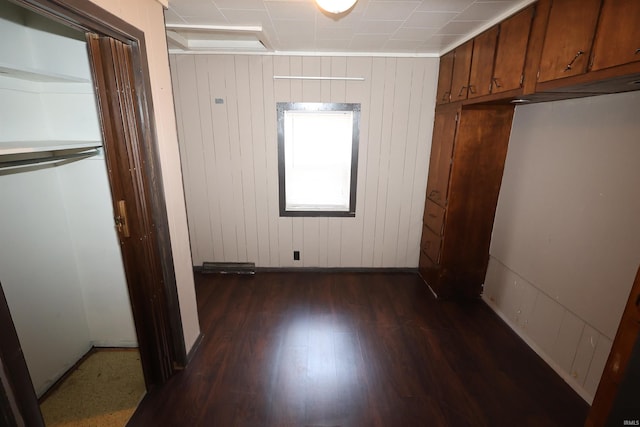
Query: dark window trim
315	107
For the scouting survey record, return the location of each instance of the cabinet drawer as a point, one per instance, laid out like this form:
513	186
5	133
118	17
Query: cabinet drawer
433	217
430	244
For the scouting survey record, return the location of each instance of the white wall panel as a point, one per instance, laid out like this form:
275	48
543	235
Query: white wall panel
229	154
566	238
39	275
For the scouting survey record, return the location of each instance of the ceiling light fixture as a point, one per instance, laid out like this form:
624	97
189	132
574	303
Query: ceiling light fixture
336	6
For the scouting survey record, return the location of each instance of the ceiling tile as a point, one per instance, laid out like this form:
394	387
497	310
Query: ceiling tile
378	27
326	33
294	11
429	19
368	42
240	4
414	33
196	8
444	5
333	45
460	27
390	10
170	17
483	11
300	30
402	45
247	17
418	26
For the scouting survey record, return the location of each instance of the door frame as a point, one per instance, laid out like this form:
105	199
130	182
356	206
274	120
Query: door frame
154	296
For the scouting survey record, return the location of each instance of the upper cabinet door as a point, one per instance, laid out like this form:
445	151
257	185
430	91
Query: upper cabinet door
484	50
511	51
443	95
461	67
618	37
568	39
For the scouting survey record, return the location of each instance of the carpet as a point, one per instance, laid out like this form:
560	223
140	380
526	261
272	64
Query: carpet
104	390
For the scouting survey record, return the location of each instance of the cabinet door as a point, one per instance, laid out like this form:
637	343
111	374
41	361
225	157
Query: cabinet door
618	37
568	38
511	51
617	364
484	50
444	131
461	67
444	78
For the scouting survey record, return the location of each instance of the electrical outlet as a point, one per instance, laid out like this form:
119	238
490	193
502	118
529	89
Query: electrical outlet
296	255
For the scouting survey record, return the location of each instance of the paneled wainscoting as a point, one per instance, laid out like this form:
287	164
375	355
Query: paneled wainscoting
226	113
354	349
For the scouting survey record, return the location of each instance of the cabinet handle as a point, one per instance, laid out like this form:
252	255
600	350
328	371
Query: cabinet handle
637	51
570	64
472	89
497	82
461	90
445	96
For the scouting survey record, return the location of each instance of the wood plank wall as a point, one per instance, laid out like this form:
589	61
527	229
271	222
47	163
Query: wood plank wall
229	158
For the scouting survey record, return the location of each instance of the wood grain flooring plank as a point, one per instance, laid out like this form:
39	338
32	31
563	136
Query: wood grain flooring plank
354	349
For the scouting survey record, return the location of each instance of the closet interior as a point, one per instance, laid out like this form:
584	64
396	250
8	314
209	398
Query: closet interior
60	263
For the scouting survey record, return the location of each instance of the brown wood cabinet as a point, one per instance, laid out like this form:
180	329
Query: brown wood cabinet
461	68
484	50
508	73
617	365
443	94
444	130
568	38
457	230
617	39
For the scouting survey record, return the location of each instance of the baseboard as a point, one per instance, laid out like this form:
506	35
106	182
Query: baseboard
540	352
198	269
115	344
194	347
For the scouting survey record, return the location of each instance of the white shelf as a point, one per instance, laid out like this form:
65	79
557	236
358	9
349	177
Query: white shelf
30	74
27	147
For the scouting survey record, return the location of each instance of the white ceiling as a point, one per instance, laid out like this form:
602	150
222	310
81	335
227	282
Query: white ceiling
396	27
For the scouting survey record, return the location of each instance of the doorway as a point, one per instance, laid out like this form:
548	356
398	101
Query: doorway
120	72
60	261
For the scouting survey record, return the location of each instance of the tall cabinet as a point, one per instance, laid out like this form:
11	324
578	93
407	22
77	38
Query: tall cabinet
465	172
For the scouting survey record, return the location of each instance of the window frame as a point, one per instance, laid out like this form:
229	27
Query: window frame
281	108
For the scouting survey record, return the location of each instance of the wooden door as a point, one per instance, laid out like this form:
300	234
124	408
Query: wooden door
568	39
618	37
461	68
443	95
614	371
113	72
484	51
444	131
18	389
478	162
511	51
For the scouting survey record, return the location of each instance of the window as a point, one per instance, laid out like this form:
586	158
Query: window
318	158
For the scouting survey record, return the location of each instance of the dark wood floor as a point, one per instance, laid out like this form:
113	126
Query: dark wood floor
307	349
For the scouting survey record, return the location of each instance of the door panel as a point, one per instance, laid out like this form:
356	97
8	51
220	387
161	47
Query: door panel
444	130
113	76
484	51
568	39
511	51
618	38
